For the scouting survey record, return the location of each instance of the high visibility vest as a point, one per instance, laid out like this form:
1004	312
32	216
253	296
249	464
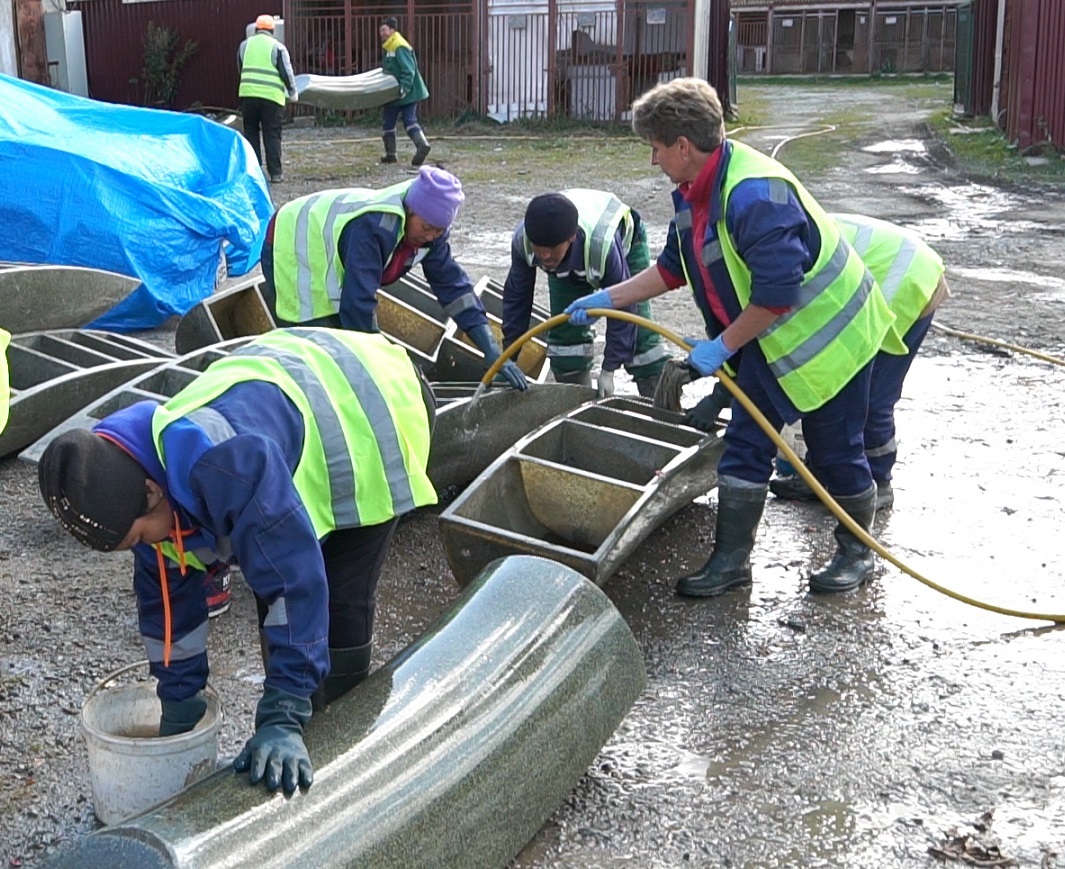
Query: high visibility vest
599	215
841	317
5	389
366	429
258	75
906	268
308	268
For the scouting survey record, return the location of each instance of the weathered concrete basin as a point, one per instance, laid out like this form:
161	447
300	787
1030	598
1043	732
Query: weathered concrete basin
584	490
452	754
55	373
235	312
40	297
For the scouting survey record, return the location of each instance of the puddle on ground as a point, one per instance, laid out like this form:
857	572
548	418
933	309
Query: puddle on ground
1053	286
914	146
972	210
876	720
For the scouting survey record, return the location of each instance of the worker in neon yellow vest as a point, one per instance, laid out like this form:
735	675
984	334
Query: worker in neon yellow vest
781	289
266	82
910	275
327	254
294	457
5	387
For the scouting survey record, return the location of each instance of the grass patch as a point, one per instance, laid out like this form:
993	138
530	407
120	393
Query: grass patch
979	148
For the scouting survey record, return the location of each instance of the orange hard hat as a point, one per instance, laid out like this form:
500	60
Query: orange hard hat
264	22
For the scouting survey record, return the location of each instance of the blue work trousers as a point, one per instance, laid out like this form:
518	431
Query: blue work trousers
885	390
834	436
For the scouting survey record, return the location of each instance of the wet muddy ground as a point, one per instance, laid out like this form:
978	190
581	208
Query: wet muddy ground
777	729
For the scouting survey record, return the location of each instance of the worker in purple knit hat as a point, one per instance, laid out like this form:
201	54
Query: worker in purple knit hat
327	254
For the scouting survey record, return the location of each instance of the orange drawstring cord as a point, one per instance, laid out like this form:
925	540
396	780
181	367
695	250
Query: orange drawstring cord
178	536
161	561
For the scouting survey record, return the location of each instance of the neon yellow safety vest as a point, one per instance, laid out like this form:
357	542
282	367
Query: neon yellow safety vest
906	268
599	215
308	268
258	75
366	430
5	388
841	318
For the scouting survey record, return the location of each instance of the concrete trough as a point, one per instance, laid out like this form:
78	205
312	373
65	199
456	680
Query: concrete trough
584	490
236	312
54	374
37	298
453	754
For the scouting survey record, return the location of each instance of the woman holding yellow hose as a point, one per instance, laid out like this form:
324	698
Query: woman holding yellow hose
778	286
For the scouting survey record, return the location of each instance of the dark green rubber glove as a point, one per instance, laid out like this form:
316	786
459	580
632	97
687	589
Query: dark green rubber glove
180	716
704	415
276	755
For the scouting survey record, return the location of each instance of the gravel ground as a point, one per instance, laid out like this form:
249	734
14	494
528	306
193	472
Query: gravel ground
747	748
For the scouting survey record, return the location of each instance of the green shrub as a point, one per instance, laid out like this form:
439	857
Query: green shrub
163	62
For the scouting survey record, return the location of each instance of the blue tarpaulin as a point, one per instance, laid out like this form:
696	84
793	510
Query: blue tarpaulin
148	193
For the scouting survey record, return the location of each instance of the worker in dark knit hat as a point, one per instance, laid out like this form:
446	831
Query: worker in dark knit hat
327	254
586	240
294	456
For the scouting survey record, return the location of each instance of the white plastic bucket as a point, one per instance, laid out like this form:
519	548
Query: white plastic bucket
132	769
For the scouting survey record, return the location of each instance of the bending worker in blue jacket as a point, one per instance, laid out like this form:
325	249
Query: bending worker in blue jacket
781	290
294	456
327	254
584	240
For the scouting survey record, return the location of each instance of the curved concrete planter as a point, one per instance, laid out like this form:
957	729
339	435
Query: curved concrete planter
56	373
585	489
452	754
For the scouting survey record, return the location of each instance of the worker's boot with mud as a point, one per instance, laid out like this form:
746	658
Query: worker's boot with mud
852	564
390	148
421	146
347	668
739	510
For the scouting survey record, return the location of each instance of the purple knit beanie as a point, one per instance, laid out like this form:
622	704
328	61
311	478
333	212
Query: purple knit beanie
435	196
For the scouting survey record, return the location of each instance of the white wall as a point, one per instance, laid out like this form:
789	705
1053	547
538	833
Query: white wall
8	55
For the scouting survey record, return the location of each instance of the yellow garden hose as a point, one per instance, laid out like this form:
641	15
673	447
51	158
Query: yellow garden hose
788	452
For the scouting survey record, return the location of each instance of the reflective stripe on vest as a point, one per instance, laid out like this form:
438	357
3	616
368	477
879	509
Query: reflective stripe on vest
366	432
258	75
308	269
557	351
840	319
907	269
599	215
654	354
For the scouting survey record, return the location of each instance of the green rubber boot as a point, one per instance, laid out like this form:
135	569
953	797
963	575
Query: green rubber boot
421	146
347	668
739	510
852	564
390	148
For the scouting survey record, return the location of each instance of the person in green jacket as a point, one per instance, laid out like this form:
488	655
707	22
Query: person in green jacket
400	61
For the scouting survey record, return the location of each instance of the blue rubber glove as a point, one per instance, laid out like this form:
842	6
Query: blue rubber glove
484	339
578	309
276	754
708	356
180	716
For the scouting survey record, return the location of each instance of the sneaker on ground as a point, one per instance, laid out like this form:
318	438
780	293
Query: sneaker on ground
216	584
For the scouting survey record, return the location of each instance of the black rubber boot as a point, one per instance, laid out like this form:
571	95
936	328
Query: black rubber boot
421	147
853	562
646	386
796	489
739	510
347	668
390	148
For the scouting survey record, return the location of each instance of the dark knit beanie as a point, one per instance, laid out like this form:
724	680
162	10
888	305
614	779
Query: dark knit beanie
550	219
93	487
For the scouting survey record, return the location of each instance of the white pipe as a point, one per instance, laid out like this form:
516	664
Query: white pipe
1000	35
